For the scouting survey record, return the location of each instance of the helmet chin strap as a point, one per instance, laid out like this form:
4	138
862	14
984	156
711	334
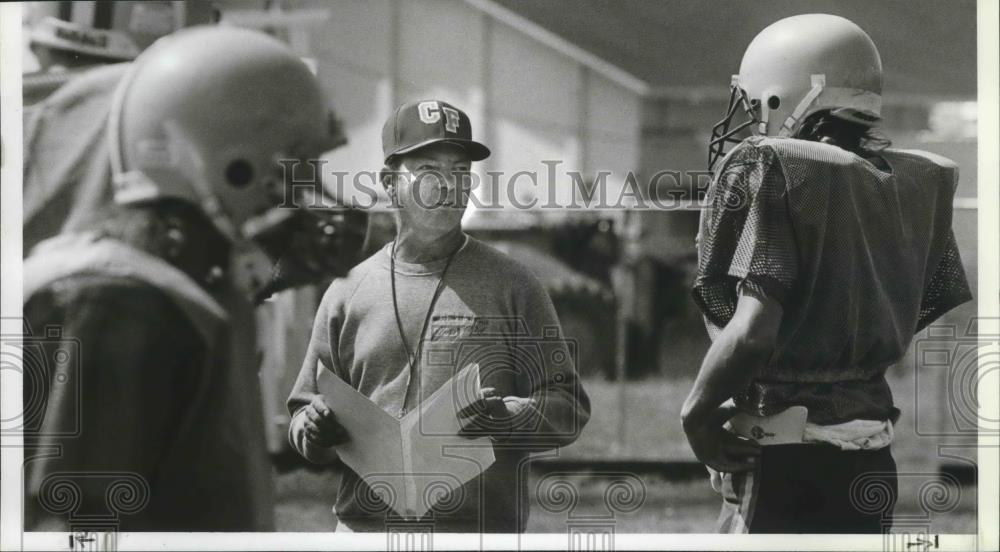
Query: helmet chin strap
250	268
764	118
788	127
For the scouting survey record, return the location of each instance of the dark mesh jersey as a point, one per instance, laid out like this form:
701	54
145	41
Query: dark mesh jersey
859	258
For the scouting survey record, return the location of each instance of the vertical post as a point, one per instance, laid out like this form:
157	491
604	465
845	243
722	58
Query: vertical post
624	283
583	121
621	344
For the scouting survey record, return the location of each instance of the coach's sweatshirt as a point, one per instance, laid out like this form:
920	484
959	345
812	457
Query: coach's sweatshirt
491	311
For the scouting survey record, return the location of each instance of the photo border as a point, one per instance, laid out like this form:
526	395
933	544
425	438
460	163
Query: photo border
11	501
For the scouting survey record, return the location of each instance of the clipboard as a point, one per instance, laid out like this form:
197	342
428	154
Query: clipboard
415	461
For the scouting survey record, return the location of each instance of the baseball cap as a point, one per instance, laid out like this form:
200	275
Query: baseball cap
423	122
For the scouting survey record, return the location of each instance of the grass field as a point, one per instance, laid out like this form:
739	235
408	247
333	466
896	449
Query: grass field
305	500
670	505
651	430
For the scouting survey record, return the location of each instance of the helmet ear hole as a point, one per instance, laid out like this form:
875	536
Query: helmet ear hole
774	102
239	173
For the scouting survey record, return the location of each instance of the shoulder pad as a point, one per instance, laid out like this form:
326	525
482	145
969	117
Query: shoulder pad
66	255
807	150
939	160
748	149
921	157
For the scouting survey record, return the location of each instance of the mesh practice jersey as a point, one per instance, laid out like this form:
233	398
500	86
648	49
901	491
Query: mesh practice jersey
860	259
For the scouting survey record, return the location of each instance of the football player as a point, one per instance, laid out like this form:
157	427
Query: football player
160	402
820	256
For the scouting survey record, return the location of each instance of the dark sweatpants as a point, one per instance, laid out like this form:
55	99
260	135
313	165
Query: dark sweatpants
811	488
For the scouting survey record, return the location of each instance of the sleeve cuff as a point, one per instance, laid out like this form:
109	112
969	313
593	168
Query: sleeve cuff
764	285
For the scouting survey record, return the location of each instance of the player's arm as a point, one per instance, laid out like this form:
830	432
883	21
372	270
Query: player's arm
313	430
748	263
738	352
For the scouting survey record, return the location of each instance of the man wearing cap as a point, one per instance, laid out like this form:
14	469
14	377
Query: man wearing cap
406	320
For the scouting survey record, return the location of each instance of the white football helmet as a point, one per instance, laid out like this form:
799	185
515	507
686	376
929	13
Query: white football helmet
215	116
796	67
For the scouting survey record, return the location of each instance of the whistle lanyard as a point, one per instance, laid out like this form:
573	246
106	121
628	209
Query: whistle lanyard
410	356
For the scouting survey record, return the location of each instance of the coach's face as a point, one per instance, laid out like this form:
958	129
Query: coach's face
432	189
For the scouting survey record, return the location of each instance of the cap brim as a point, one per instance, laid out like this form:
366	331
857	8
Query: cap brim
477	151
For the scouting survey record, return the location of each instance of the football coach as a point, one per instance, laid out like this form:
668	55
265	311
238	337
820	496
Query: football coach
436	289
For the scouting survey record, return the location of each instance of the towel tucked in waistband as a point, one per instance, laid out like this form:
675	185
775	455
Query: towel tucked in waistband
852	435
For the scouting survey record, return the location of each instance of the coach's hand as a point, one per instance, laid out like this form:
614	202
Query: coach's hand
489	416
321	427
717	448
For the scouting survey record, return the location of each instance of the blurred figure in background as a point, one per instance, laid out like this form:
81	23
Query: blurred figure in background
80	51
157	286
821	255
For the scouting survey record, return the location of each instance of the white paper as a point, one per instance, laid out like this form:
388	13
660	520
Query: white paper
783	428
418	459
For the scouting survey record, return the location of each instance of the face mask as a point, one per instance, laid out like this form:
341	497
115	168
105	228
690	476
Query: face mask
302	246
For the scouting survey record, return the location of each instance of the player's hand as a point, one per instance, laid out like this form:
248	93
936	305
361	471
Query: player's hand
489	416
321	427
719	449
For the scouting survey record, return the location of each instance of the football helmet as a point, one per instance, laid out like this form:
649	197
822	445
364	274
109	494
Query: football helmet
795	67
218	117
